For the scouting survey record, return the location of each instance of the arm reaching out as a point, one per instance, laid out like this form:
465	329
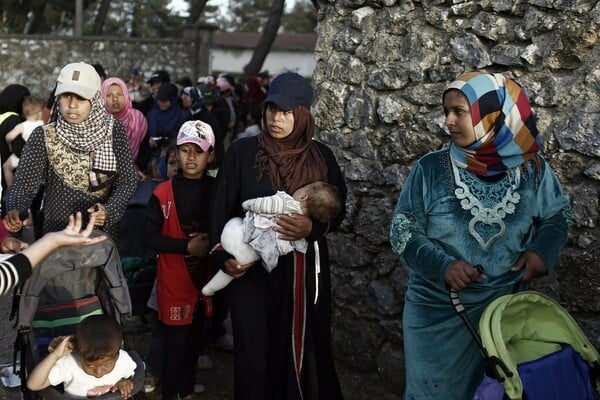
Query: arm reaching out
72	235
18	267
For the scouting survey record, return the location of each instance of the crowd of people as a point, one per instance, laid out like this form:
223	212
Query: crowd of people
80	155
479	216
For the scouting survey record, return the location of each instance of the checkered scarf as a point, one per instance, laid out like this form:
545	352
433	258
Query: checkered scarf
95	136
505	130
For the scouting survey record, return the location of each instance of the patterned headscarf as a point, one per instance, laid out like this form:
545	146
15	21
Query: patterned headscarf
133	120
93	136
505	130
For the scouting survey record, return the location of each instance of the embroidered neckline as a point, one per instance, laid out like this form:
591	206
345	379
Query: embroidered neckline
493	215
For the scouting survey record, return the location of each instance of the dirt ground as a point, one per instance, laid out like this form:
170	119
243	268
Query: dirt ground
218	381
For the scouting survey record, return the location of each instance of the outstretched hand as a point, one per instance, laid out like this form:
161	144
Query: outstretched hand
125	387
74	235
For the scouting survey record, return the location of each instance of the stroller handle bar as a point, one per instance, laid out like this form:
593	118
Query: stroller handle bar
492	362
461	312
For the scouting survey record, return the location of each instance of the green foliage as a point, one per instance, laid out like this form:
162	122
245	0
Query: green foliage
301	19
149	18
153	18
246	15
251	16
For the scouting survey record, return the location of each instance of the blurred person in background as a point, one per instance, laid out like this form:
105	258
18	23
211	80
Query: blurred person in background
118	102
138	91
11	106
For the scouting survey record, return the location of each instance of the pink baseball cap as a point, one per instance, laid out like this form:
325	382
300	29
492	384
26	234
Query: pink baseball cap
196	132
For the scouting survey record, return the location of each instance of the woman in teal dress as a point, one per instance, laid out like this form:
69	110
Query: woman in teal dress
490	199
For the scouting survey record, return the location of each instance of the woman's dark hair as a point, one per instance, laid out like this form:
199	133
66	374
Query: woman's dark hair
51	98
11	98
100	70
50	105
184	81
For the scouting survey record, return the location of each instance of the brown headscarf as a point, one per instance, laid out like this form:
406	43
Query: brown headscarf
295	160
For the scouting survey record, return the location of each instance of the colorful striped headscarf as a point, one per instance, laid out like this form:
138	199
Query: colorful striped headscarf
133	120
505	130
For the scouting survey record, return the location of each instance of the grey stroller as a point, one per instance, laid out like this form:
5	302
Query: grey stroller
70	284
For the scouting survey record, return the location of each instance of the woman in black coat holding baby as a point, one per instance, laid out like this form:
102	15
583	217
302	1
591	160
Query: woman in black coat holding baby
281	320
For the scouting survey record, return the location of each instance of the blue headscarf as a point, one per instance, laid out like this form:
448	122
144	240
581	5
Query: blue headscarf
165	123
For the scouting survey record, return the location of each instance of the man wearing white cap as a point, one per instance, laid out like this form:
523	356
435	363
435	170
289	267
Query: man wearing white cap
82	158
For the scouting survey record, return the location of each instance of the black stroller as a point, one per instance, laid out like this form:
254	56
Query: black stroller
69	285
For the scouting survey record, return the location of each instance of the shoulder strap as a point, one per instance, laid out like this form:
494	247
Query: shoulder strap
5	116
14	309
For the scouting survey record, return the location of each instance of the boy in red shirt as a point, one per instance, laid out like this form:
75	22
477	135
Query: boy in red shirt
176	227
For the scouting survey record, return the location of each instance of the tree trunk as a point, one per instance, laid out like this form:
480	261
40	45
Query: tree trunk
266	40
14	15
196	8
134	20
100	17
36	24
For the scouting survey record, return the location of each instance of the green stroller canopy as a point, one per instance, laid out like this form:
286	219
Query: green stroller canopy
526	326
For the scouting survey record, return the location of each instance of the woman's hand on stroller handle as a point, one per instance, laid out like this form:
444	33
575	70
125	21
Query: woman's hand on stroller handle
460	274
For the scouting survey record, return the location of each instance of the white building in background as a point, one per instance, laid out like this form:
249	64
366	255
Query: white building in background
231	51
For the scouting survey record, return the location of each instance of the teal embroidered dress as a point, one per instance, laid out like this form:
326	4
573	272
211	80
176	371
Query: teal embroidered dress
485	204
446	213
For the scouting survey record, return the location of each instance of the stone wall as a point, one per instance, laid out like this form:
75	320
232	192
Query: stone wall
381	68
35	61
